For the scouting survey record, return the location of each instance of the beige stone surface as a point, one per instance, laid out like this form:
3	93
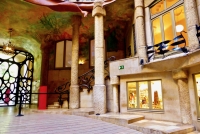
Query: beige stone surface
179	74
115	99
169	64
109	96
147	2
192	20
76	21
74	99
114	80
86	99
184	101
140	31
99	99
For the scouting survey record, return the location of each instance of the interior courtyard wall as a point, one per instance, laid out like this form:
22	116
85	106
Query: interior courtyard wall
170	96
193	101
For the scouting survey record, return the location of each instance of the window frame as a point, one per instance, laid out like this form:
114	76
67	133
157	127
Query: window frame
64	55
160	16
196	96
149	96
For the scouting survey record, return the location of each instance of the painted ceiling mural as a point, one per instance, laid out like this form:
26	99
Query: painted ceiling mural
35	26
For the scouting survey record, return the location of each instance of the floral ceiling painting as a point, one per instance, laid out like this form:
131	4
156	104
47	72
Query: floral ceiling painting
36	26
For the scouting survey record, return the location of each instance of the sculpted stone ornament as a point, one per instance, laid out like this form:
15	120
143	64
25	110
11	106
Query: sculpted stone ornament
65	5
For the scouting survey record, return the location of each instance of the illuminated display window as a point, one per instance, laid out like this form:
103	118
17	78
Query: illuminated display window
197	84
145	95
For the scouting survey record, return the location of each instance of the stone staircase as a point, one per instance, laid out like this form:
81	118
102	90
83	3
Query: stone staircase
56	105
136	122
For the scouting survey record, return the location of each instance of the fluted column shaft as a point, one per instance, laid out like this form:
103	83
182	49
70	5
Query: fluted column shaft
192	20
99	89
140	31
74	88
184	97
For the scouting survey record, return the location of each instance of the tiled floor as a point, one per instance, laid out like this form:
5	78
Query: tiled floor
43	123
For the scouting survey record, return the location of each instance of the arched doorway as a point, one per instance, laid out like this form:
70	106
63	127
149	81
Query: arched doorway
16	76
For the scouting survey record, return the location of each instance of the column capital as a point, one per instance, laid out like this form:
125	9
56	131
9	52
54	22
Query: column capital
114	80
98	8
179	74
76	20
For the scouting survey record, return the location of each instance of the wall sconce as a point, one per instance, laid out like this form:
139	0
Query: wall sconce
81	62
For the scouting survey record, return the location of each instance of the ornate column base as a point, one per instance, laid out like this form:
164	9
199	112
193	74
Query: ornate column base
74	97
99	99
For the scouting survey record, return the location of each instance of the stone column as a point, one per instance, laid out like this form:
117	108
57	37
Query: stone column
192	20
99	89
149	39
115	82
140	32
74	101
184	97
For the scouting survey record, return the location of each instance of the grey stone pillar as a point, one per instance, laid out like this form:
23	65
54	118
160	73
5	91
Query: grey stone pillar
192	20
74	101
99	89
149	39
140	32
184	97
115	82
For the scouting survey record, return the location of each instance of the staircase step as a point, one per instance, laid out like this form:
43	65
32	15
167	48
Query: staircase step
119	119
52	107
56	104
161	127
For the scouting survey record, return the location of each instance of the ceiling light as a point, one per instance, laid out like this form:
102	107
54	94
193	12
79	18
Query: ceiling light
8	48
179	28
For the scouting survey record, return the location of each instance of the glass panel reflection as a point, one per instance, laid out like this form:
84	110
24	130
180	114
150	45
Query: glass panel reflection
159	7
157	31
156	91
179	15
171	2
168	30
132	92
143	94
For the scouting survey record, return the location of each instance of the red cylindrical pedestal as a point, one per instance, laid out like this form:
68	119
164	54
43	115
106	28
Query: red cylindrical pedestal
42	98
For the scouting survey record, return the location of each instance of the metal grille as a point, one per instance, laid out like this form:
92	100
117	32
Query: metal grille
16	76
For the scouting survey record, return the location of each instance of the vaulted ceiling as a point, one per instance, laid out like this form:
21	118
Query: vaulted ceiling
36	25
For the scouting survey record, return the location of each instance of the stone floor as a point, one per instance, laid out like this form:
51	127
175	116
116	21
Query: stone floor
49	123
83	121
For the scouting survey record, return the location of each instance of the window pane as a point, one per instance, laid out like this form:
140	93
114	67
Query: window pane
179	15
68	54
156	91
157	31
168	30
59	54
132	98
159	7
171	2
143	94
197	78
